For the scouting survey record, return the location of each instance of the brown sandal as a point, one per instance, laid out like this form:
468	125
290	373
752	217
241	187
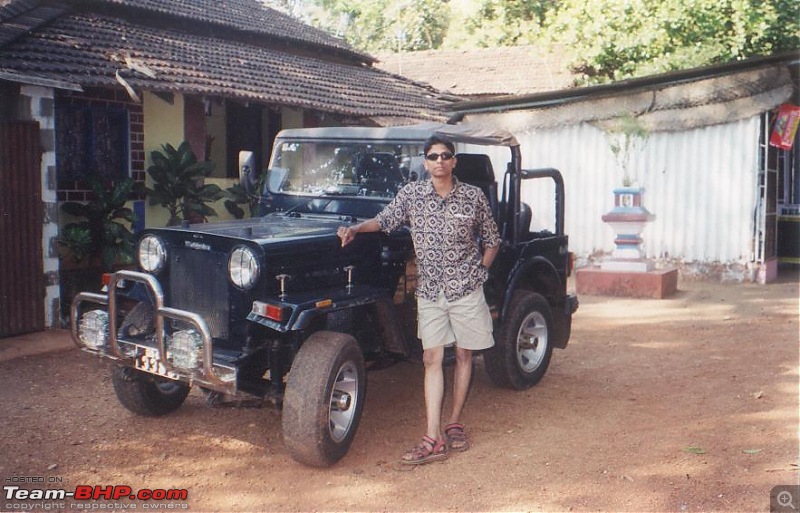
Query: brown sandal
456	437
426	451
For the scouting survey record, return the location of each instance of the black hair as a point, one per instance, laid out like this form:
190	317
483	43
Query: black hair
437	139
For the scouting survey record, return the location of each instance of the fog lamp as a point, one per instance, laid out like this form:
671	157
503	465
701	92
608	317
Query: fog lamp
225	373
184	349
93	329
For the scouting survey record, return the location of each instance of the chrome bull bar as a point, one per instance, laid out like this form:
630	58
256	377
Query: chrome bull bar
210	378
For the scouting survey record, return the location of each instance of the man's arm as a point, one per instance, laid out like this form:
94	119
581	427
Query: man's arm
390	218
488	255
348	233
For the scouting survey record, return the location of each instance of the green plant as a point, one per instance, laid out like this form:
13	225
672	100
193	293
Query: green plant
101	234
626	137
238	195
178	184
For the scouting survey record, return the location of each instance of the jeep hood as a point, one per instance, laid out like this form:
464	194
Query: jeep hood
277	227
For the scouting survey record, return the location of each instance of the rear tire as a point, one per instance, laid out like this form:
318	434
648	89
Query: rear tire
523	344
324	398
146	394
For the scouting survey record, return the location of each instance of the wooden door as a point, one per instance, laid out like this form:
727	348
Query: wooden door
22	283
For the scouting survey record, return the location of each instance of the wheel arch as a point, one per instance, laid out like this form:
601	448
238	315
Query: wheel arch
539	275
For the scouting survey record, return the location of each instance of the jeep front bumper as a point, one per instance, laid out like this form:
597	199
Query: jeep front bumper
185	355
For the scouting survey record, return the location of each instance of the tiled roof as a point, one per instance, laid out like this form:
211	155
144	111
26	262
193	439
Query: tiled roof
483	72
242	15
90	49
21	16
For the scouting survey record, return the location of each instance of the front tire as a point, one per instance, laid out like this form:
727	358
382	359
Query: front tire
523	346
323	399
146	394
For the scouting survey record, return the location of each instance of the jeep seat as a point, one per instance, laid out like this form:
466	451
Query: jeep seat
476	169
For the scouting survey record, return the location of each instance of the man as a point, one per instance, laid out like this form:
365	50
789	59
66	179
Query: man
447	220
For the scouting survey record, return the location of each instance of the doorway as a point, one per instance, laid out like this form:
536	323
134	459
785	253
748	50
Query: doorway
22	281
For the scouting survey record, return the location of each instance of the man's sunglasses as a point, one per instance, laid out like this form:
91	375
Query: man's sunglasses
433	157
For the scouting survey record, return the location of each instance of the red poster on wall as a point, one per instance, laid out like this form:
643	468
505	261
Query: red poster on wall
785	126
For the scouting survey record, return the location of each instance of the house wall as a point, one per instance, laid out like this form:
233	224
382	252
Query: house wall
163	124
9	92
700	184
37	103
76	191
215	124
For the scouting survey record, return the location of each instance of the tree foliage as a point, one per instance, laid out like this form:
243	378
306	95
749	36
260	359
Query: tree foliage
502	23
608	40
618	39
374	25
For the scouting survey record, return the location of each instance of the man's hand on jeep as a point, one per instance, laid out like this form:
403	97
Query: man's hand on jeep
347	234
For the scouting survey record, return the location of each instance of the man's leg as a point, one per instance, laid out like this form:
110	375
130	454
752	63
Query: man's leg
434	390
461	378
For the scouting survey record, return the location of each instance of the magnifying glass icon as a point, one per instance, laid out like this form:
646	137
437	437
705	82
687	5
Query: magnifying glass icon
785	499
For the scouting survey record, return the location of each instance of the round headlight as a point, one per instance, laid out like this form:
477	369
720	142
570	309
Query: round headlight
152	254
243	267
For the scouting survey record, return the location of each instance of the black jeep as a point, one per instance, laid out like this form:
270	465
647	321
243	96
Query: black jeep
273	308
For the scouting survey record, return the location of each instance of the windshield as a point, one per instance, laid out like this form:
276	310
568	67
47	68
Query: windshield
349	168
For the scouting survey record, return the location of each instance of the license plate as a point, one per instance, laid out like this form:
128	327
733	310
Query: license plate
148	360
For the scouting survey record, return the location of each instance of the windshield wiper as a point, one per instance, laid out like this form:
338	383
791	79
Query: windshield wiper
293	212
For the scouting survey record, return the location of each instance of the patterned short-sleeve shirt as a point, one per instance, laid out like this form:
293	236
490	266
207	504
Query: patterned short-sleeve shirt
445	232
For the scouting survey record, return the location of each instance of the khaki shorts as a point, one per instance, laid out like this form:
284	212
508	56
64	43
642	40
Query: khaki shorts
465	322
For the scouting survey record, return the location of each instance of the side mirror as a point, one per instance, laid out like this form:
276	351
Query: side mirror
247	171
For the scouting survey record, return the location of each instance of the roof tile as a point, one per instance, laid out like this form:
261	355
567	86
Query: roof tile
482	72
89	49
243	15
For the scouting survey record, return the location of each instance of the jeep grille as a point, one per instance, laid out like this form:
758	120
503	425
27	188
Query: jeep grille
199	283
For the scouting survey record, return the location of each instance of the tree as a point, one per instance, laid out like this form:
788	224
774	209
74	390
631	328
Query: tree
618	39
607	40
374	25
502	23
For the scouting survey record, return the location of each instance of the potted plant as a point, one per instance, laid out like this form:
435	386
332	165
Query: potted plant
627	138
100	237
238	195
178	184
99	240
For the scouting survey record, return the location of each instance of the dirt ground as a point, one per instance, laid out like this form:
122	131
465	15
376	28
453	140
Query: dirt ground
684	404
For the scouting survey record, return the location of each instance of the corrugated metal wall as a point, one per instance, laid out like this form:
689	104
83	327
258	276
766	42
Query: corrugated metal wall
700	184
22	286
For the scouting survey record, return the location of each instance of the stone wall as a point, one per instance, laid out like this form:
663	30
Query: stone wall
38	104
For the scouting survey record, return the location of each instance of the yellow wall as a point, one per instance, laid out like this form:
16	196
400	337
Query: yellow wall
163	123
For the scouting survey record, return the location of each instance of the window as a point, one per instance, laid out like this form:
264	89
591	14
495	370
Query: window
91	138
